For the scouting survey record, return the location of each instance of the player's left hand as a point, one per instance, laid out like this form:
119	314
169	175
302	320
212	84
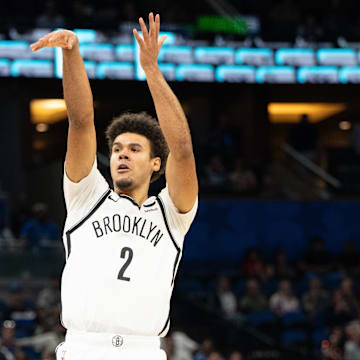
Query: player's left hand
150	44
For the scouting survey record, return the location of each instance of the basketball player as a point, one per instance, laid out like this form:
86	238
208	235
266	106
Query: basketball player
122	247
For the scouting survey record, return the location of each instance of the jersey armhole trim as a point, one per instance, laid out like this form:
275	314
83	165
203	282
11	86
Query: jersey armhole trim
178	249
165	329
79	223
162	208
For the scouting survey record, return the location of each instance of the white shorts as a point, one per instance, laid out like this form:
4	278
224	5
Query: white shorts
82	345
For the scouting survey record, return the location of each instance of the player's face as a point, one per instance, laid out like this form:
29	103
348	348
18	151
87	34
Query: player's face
131	163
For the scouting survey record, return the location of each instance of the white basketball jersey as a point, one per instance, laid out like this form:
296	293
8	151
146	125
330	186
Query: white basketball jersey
121	259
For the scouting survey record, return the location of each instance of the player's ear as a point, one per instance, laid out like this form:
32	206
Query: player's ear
156	163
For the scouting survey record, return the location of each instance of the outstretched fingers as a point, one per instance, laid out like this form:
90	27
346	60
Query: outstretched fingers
157	25
144	29
138	38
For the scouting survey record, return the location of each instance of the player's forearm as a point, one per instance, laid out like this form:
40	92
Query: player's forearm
170	114
77	91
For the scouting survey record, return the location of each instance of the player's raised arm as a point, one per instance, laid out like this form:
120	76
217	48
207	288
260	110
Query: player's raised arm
180	169
81	147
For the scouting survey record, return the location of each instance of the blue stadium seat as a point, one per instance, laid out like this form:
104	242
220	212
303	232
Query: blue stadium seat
295	319
332	281
190	286
292	337
318	336
262	318
239	287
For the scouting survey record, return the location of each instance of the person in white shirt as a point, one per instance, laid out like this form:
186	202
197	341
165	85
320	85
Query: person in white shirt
284	301
122	247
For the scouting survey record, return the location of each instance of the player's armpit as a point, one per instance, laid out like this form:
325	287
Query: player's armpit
81	151
182	182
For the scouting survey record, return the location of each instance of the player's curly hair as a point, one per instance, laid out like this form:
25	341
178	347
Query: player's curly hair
142	124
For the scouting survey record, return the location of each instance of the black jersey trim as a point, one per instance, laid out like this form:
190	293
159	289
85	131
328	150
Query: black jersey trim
166	325
92	211
177	258
130	199
148	205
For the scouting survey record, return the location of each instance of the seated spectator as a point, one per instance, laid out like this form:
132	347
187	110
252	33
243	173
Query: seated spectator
168	345
7	238
20	310
282	267
225	299
51	356
8	340
236	355
215	173
215	355
253	265
317	259
352	345
40	231
333	349
183	347
242	178
349	295
316	299
49	296
206	348
284	301
253	300
349	258
339	312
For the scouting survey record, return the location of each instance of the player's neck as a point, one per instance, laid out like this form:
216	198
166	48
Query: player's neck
139	195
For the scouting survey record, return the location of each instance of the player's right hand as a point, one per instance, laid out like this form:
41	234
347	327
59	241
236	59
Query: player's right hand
65	39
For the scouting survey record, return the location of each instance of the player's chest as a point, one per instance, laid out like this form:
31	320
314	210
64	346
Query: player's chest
118	223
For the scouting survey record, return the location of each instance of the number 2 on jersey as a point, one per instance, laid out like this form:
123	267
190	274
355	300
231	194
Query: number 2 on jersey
126	253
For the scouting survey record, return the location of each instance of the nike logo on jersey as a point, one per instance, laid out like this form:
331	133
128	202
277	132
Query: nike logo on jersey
153	209
128	224
113	198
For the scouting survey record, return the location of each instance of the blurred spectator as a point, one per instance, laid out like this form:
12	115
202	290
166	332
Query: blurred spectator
215	355
316	299
7	238
352	345
309	29
50	295
303	137
50	18
206	348
284	301
242	178
253	300
317	259
46	356
236	355
349	295
184	346
169	347
21	311
253	265
339	312
8	340
349	258
333	348
215	173
225	299
283	269
40	231
45	342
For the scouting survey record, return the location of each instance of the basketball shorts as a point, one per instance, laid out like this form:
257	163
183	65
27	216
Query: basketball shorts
82	345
